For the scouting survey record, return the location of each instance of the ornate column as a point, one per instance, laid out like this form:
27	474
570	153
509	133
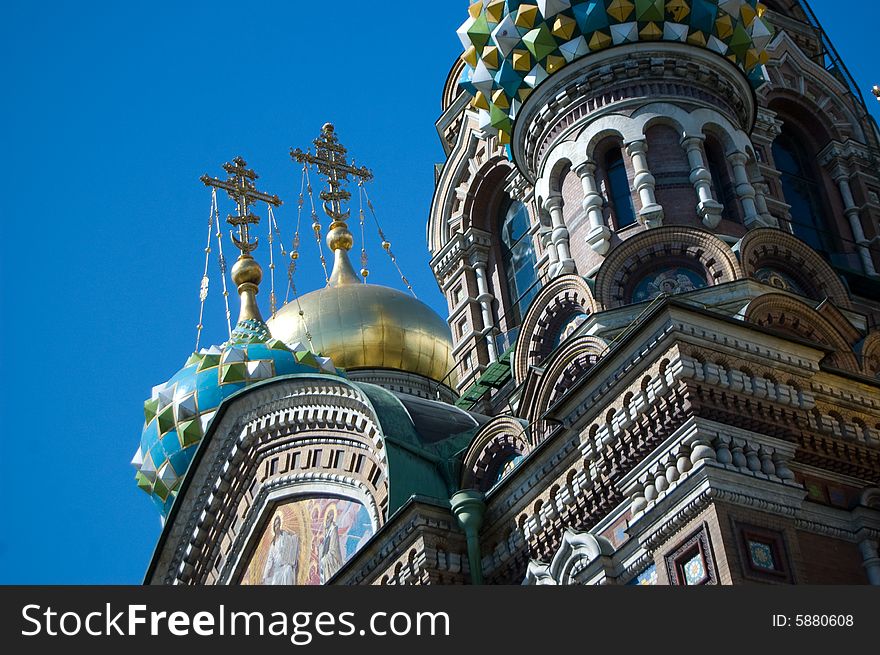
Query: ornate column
651	214
479	258
545	233
744	189
708	208
599	236
559	236
761	193
851	211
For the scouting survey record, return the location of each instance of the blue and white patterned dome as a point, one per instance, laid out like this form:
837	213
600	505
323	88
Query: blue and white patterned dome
178	412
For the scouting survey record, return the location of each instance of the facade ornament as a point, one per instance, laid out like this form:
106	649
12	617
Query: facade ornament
599	236
651	214
708	207
560	237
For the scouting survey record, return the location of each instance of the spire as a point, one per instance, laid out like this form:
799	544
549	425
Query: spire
330	159
246	273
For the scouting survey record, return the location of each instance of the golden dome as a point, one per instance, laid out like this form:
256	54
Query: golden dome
366	326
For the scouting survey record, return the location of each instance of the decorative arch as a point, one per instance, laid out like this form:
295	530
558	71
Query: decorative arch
791	316
577	551
568	365
776	250
499	440
871	354
796	77
562	299
472	159
630	261
274	442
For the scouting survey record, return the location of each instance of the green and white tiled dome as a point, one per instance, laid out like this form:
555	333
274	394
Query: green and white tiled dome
178	412
511	46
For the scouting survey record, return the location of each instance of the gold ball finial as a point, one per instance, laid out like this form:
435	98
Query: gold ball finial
340	238
247	271
328	128
876	91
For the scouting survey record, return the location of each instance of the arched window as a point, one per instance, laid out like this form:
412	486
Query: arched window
619	196
518	257
802	191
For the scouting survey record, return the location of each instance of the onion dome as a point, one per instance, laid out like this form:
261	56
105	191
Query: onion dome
511	46
178	413
361	326
367	326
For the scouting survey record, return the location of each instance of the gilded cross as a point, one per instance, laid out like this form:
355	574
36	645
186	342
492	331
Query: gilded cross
241	188
330	159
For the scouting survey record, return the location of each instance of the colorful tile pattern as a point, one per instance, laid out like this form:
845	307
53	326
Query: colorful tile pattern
505	469
511	46
761	555
178	413
694	569
648	577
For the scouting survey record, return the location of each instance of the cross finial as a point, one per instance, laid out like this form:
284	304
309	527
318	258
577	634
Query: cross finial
246	273
330	159
241	188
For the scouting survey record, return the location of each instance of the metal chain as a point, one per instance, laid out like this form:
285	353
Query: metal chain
203	287
294	257
221	260
364	270
294	254
271	220
316	225
386	244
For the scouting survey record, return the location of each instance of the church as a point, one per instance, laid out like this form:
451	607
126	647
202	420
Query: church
656	229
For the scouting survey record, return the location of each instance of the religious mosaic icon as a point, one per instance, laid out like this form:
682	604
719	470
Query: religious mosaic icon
670	282
307	541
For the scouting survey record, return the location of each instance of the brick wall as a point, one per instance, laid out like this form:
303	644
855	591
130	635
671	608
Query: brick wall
825	560
668	164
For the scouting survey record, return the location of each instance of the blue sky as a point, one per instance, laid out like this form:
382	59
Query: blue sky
112	112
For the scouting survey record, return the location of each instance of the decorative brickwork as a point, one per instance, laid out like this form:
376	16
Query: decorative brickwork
637	257
769	249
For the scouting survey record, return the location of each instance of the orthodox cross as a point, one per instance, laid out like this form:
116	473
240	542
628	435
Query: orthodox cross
330	159
241	188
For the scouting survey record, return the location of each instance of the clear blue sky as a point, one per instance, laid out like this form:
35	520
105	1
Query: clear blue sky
112	111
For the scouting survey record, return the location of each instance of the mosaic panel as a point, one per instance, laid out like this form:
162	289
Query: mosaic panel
648	577
761	555
669	281
694	569
307	541
779	280
507	467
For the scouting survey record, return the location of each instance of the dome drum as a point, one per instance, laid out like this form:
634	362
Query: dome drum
619	82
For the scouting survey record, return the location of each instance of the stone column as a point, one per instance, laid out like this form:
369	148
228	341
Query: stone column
599	236
479	259
651	214
761	193
744	189
545	233
708	208
559	236
841	177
